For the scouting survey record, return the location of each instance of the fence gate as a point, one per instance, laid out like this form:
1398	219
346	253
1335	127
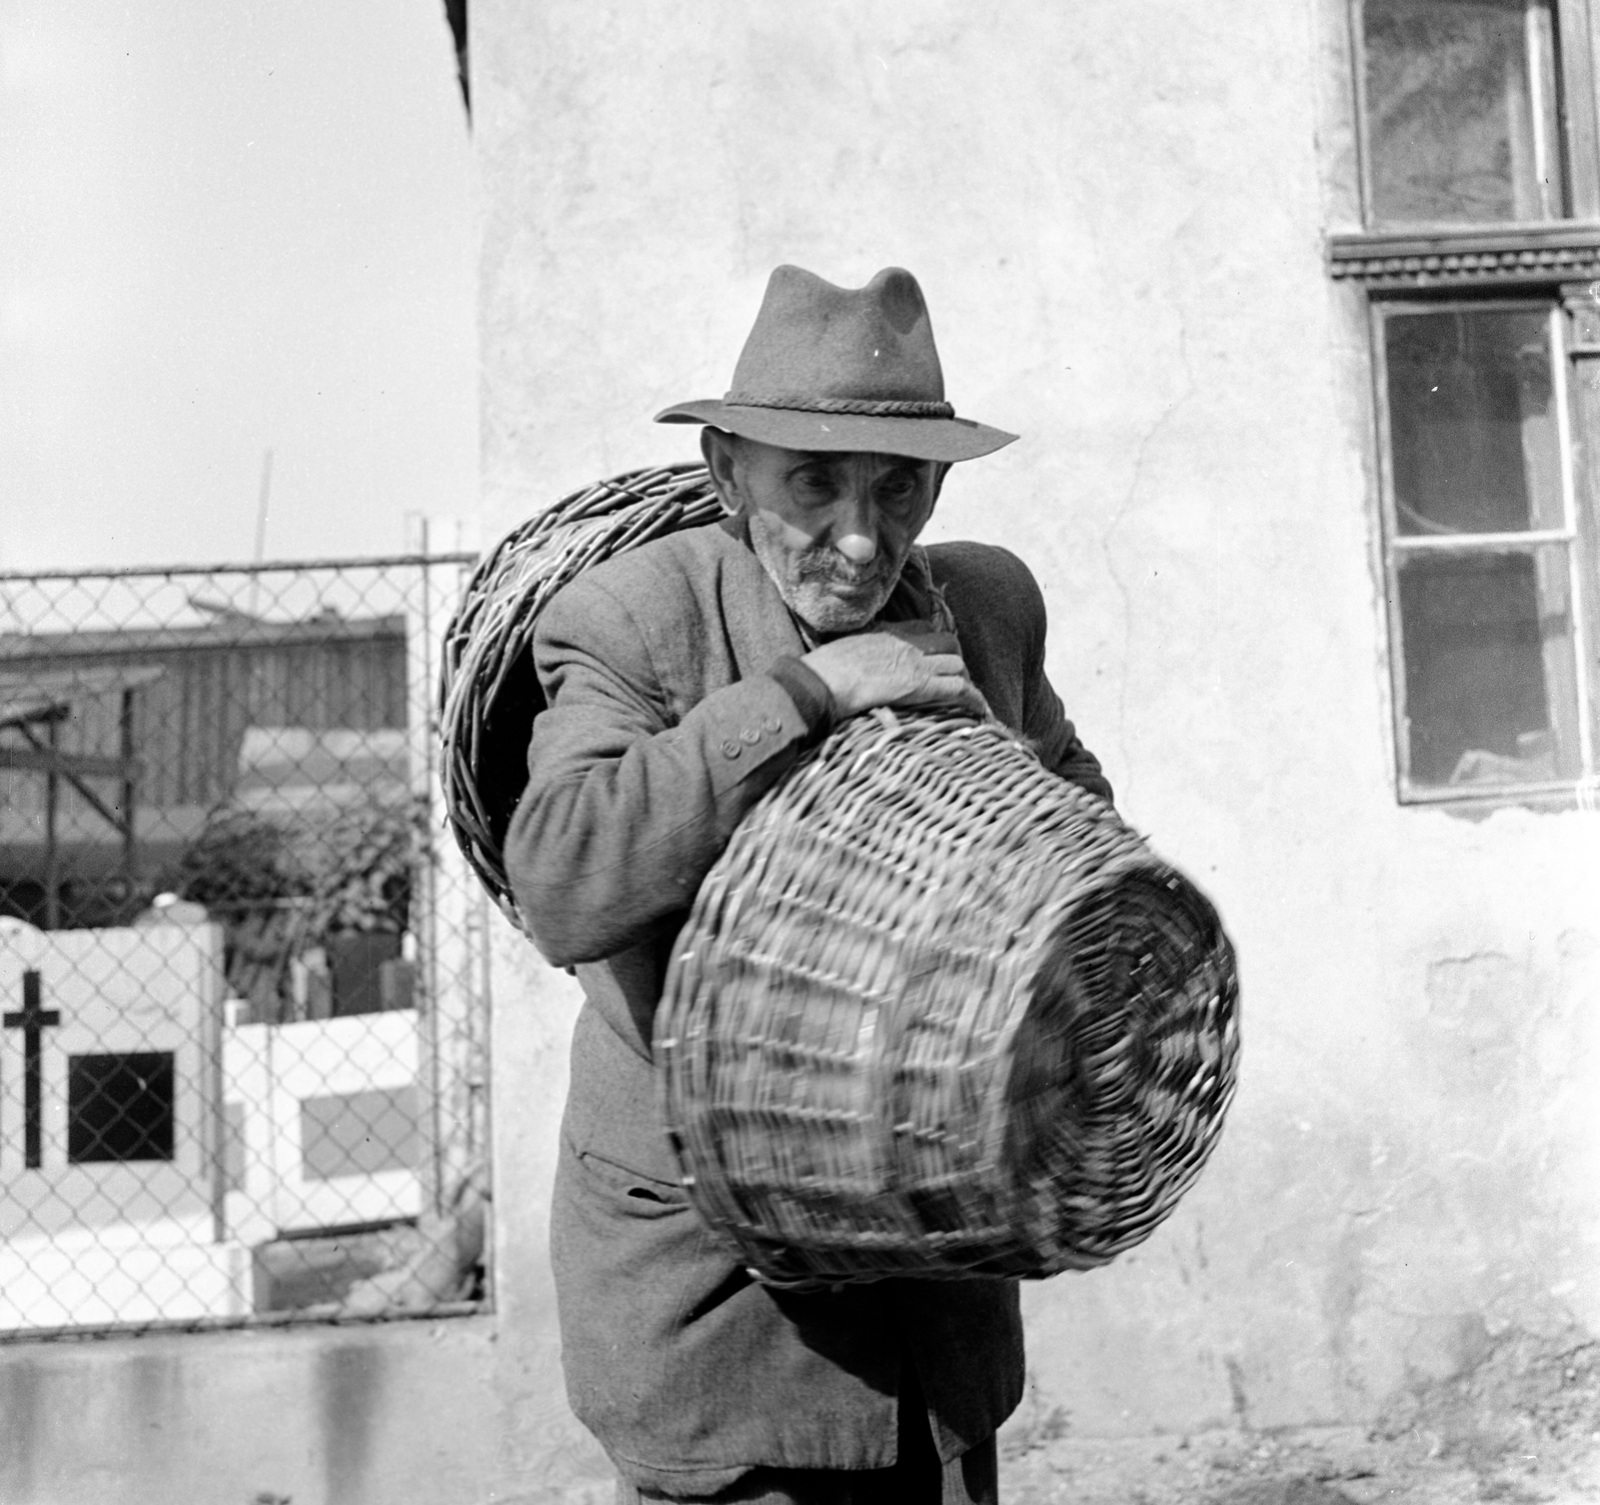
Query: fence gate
243	1011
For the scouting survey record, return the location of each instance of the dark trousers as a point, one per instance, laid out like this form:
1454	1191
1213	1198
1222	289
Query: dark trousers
918	1478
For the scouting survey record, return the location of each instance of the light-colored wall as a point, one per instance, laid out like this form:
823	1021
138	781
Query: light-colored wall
1116	212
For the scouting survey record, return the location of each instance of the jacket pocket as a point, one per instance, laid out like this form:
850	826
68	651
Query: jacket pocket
630	1191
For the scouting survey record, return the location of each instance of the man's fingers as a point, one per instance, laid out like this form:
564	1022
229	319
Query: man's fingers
944	665
880	668
951	686
923	637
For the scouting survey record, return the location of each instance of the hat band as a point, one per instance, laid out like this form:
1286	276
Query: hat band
864	406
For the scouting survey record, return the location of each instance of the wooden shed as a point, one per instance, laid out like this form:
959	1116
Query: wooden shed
117	744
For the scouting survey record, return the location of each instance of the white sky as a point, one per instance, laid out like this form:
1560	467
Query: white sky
226	228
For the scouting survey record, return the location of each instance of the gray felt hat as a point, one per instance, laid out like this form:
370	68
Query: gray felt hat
834	368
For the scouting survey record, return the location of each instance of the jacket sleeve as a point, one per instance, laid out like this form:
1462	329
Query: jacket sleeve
1057	741
1045	723
630	798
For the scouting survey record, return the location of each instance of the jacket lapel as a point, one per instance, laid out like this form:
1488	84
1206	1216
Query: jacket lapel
759	624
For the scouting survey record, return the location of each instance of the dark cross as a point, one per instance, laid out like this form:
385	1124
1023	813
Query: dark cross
32	1021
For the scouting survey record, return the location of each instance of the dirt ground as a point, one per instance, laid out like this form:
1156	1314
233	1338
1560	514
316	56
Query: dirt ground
1523	1426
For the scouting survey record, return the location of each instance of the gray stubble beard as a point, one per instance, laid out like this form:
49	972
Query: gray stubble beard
843	619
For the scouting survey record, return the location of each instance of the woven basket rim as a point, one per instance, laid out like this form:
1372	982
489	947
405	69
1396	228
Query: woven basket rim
483	731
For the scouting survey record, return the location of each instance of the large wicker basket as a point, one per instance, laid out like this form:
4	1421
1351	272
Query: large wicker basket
935	1011
488	692
938	1013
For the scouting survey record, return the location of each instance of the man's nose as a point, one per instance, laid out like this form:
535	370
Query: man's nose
856	529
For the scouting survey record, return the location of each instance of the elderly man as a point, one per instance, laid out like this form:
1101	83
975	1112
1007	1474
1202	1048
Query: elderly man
682	681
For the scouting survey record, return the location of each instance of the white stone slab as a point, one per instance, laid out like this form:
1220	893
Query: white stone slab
147	991
327	1123
88	1277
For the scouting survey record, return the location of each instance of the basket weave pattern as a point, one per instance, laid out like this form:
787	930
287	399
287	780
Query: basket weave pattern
937	1012
489	693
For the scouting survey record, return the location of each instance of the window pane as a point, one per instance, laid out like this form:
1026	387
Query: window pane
1489	669
1474	442
1461	111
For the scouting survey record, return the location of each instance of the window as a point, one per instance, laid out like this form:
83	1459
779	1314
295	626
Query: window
1461	112
1478	261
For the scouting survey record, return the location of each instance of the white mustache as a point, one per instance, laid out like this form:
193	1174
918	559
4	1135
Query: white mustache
829	568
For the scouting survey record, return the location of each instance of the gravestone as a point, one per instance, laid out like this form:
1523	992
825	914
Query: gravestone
326	1124
110	1177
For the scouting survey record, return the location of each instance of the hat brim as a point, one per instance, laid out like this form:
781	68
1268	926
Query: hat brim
943	439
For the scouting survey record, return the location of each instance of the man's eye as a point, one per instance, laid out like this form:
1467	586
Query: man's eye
815	483
897	490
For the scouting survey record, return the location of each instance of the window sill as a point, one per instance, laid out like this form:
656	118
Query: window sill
1479	803
1448	256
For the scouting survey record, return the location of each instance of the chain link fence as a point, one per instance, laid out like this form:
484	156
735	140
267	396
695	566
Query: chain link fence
243	972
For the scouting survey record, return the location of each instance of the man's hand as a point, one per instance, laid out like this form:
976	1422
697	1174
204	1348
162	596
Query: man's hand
908	667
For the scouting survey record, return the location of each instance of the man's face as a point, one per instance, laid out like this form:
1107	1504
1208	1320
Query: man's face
832	530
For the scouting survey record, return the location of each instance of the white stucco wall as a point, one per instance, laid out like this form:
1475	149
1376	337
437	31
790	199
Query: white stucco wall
1116	212
1117	215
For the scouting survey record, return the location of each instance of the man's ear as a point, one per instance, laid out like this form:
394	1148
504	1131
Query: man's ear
721	452
940	471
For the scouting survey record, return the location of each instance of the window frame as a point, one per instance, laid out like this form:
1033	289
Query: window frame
1397	545
1575	117
1435	267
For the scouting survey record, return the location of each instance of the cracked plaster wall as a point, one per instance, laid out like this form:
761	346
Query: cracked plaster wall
1116	212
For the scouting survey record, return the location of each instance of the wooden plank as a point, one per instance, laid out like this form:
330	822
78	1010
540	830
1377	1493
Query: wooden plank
84	765
1575	49
124	642
43	692
58	770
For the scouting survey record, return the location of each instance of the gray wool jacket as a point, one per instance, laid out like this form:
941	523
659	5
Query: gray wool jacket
674	701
